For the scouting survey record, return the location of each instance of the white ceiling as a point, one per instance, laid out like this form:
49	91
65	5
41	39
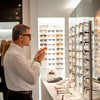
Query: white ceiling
58	8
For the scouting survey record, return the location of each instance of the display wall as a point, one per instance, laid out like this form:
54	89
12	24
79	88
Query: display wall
51	34
89	8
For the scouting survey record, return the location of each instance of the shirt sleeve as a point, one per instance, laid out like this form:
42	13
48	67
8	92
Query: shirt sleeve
29	72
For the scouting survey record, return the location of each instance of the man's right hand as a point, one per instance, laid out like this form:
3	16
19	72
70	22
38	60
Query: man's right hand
40	55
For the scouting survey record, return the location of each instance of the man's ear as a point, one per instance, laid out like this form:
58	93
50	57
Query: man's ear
20	37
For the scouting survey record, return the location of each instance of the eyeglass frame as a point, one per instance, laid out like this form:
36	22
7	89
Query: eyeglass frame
29	35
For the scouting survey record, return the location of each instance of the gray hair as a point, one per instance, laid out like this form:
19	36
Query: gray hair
18	30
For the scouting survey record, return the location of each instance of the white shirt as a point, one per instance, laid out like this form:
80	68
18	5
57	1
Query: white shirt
20	75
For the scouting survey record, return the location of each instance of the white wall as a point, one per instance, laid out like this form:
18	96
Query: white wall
30	18
26	21
34	41
86	8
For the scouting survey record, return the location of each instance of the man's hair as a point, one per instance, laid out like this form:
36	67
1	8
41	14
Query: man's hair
18	30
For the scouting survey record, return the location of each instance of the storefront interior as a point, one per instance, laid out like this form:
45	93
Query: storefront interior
70	29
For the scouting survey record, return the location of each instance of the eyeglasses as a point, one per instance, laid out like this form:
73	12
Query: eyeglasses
60	48
51	39
51	63
29	35
59	39
51	35
43	35
43	40
43	44
51	49
51	30
51	59
59	35
51	44
79	75
59	53
43	26
59	30
59	58
58	44
51	53
59	63
45	31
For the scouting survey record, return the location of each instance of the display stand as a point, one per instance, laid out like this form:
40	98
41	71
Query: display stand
83	58
51	34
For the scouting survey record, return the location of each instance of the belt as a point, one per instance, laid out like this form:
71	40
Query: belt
20	92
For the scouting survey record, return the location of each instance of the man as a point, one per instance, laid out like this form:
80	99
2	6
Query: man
21	75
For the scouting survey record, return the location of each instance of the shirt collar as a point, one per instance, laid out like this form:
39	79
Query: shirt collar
20	49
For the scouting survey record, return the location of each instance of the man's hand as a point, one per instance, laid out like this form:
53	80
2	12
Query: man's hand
40	55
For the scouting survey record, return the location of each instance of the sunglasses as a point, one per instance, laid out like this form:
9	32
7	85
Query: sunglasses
51	30
51	39
51	49
49	53
59	30
51	59
51	63
60	48
51	44
59	63
60	53
29	35
43	44
44	31
58	44
59	35
51	35
59	58
43	26
43	40
43	35
59	39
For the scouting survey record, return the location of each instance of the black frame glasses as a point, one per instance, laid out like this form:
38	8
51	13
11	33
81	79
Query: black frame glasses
29	35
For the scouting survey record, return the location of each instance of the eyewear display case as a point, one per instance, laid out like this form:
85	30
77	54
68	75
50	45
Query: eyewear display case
83	57
51	34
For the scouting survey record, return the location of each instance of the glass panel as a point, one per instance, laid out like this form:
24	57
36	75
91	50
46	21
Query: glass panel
6	30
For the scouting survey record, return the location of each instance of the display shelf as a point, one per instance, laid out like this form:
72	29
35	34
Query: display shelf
84	59
51	35
72	53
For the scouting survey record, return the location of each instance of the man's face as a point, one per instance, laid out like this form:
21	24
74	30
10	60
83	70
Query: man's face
26	38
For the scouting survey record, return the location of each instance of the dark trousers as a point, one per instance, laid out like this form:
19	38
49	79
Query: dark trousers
13	95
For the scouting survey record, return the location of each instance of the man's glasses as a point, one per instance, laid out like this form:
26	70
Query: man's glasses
29	35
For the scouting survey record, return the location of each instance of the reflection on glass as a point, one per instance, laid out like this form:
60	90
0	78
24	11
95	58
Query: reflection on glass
6	30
